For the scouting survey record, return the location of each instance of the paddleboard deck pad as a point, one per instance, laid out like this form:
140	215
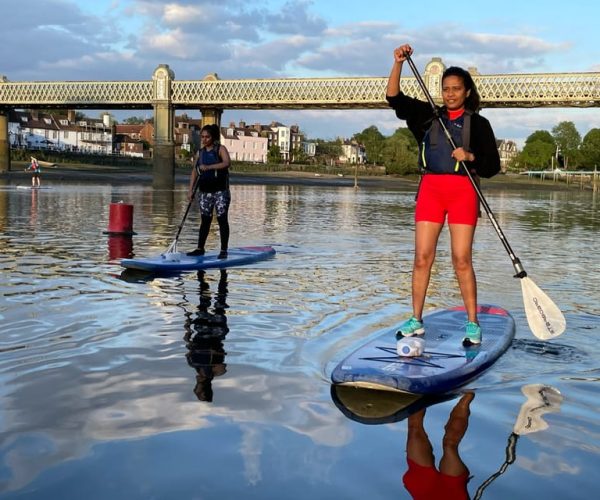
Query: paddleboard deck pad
174	262
444	364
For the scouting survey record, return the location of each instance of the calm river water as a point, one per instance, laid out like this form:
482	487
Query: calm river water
121	386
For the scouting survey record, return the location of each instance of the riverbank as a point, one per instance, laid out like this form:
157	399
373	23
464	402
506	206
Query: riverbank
143	175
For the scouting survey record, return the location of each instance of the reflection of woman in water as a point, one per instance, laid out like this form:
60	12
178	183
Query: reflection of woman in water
423	480
204	337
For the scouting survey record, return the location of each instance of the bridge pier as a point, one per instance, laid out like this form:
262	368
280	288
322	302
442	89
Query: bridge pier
211	115
4	143
163	164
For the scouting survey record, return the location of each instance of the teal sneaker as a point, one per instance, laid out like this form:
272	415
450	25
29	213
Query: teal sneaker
410	327
472	334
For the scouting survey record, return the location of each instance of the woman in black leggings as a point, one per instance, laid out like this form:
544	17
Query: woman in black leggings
211	167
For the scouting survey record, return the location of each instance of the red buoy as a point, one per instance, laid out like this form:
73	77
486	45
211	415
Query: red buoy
120	219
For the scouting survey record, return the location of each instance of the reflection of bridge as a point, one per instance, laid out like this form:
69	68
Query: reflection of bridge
211	96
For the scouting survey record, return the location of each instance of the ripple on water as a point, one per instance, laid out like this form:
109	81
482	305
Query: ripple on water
98	371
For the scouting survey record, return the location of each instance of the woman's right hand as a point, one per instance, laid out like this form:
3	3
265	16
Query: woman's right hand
401	52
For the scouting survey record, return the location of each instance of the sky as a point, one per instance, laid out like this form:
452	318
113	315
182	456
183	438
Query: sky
55	40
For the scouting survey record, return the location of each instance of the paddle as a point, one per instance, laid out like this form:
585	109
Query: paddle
540	399
171	252
545	319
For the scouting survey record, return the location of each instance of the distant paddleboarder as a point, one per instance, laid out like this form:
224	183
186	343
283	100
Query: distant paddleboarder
34	168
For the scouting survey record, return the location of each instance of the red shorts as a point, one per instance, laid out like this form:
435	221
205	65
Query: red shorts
441	194
425	483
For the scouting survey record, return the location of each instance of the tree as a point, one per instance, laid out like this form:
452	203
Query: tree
541	135
299	156
401	153
329	152
134	120
274	154
568	140
536	155
373	141
590	150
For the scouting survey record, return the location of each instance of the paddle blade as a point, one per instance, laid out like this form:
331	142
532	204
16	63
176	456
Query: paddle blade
545	319
541	399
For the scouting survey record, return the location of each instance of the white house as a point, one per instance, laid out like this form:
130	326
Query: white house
35	130
507	150
283	139
352	152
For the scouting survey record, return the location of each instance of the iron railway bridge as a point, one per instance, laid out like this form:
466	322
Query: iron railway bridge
211	96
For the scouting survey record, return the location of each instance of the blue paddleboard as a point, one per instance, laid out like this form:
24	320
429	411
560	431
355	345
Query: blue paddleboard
167	263
444	365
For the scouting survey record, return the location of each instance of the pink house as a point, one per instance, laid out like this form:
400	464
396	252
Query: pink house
244	144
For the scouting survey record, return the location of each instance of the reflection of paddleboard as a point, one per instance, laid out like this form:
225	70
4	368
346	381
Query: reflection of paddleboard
444	365
181	262
33	188
380	407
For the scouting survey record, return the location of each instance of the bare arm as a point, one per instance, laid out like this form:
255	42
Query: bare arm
225	160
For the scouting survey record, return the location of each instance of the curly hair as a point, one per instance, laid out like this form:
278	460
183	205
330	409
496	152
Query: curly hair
214	131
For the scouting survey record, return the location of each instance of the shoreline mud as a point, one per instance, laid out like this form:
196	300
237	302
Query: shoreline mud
129	175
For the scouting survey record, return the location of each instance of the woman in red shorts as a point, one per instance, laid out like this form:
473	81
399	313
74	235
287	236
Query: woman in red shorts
445	191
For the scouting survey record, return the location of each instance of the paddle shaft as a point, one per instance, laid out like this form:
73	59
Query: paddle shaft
194	189
511	455
520	271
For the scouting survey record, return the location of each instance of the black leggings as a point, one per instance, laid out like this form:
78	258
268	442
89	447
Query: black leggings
205	223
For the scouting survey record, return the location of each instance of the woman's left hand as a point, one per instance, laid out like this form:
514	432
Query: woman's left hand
459	154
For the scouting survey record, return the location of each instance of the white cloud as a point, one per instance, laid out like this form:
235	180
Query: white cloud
176	14
127	39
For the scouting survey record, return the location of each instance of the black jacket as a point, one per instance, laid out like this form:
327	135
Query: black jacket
419	115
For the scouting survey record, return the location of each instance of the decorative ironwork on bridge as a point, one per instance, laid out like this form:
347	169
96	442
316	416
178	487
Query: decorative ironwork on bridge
211	96
497	91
